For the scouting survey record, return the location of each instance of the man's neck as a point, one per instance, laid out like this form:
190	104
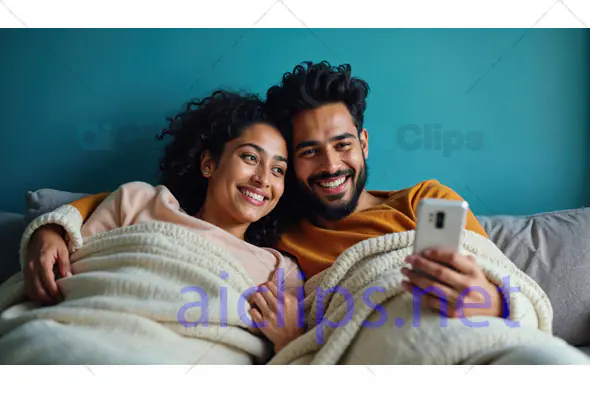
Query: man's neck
365	202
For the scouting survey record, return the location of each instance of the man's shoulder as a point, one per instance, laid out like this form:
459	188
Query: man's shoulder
423	187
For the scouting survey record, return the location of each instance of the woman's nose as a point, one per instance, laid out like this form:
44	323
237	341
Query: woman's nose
260	179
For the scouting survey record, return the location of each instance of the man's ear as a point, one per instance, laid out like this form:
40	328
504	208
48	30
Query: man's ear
207	164
364	139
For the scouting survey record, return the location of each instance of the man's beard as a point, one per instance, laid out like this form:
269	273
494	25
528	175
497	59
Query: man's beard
314	207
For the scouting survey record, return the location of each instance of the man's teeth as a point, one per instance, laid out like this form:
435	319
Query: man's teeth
252	195
332	184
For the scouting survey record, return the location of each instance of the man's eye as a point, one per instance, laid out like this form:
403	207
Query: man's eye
342	145
308	152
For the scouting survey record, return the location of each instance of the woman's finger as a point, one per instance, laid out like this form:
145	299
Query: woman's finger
270	298
260	302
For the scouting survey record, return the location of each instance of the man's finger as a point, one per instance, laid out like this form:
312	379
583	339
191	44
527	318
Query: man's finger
38	293
441	305
64	262
428	286
439	272
452	258
45	273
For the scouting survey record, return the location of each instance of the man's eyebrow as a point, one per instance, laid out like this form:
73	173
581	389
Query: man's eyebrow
261	150
339	137
306	144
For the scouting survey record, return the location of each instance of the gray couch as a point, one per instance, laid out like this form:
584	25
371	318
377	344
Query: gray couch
553	248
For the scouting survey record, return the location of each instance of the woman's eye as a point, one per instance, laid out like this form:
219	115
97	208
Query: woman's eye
249	157
280	171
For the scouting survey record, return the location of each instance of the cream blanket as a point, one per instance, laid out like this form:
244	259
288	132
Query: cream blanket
380	327
132	290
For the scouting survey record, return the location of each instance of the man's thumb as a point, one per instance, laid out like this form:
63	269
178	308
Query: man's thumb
64	262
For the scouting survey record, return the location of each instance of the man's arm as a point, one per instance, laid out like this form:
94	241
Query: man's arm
88	204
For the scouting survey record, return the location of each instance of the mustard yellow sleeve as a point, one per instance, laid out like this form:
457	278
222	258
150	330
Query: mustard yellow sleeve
88	204
434	189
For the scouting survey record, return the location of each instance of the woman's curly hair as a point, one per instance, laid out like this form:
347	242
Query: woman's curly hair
208	124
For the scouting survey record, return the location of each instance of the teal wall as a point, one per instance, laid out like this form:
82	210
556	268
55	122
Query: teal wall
508	107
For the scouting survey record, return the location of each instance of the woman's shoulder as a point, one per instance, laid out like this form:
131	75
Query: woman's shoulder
144	192
143	188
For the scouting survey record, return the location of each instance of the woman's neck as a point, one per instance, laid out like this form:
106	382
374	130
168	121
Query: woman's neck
209	215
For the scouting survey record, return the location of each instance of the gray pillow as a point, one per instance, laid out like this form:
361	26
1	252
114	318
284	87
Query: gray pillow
45	200
553	249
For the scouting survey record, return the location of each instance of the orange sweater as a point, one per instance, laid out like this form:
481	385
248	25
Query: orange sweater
317	248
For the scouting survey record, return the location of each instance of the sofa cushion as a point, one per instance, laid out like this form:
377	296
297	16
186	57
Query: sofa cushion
553	249
45	200
12	226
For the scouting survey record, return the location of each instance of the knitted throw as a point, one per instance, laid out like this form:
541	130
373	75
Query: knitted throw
134	297
368	319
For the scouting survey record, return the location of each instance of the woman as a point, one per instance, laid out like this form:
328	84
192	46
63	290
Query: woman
223	175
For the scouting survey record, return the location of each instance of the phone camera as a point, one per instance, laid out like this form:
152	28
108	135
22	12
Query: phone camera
440	220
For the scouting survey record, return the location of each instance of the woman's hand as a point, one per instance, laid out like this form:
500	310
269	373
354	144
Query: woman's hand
47	247
455	285
279	327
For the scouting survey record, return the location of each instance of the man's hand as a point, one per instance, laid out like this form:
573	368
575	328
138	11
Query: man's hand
455	280
47	247
265	313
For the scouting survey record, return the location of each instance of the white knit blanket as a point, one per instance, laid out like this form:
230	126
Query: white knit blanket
376	263
131	292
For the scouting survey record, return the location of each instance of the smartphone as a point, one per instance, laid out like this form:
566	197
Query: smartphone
440	224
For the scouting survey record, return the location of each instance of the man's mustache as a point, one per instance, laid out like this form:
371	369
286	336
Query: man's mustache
326	175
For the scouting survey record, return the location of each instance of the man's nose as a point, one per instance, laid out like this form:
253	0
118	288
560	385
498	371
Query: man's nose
331	161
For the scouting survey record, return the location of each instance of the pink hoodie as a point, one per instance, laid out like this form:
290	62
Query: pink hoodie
139	202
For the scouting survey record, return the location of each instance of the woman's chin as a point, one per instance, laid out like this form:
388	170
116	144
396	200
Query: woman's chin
248	217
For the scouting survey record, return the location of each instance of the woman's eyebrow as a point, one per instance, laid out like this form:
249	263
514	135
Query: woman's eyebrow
261	150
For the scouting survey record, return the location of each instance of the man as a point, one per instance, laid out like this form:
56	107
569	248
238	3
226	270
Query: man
321	108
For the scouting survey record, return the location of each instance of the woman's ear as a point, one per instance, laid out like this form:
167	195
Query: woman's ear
207	164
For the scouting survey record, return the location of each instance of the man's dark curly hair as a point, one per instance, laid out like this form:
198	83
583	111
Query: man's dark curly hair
310	86
208	124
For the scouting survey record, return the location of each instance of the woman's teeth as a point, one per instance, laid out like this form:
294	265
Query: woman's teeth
252	195
332	184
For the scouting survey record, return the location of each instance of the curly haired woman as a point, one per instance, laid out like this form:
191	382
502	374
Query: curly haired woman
223	175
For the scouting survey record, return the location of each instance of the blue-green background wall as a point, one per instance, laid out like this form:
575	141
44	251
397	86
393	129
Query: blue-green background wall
79	108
